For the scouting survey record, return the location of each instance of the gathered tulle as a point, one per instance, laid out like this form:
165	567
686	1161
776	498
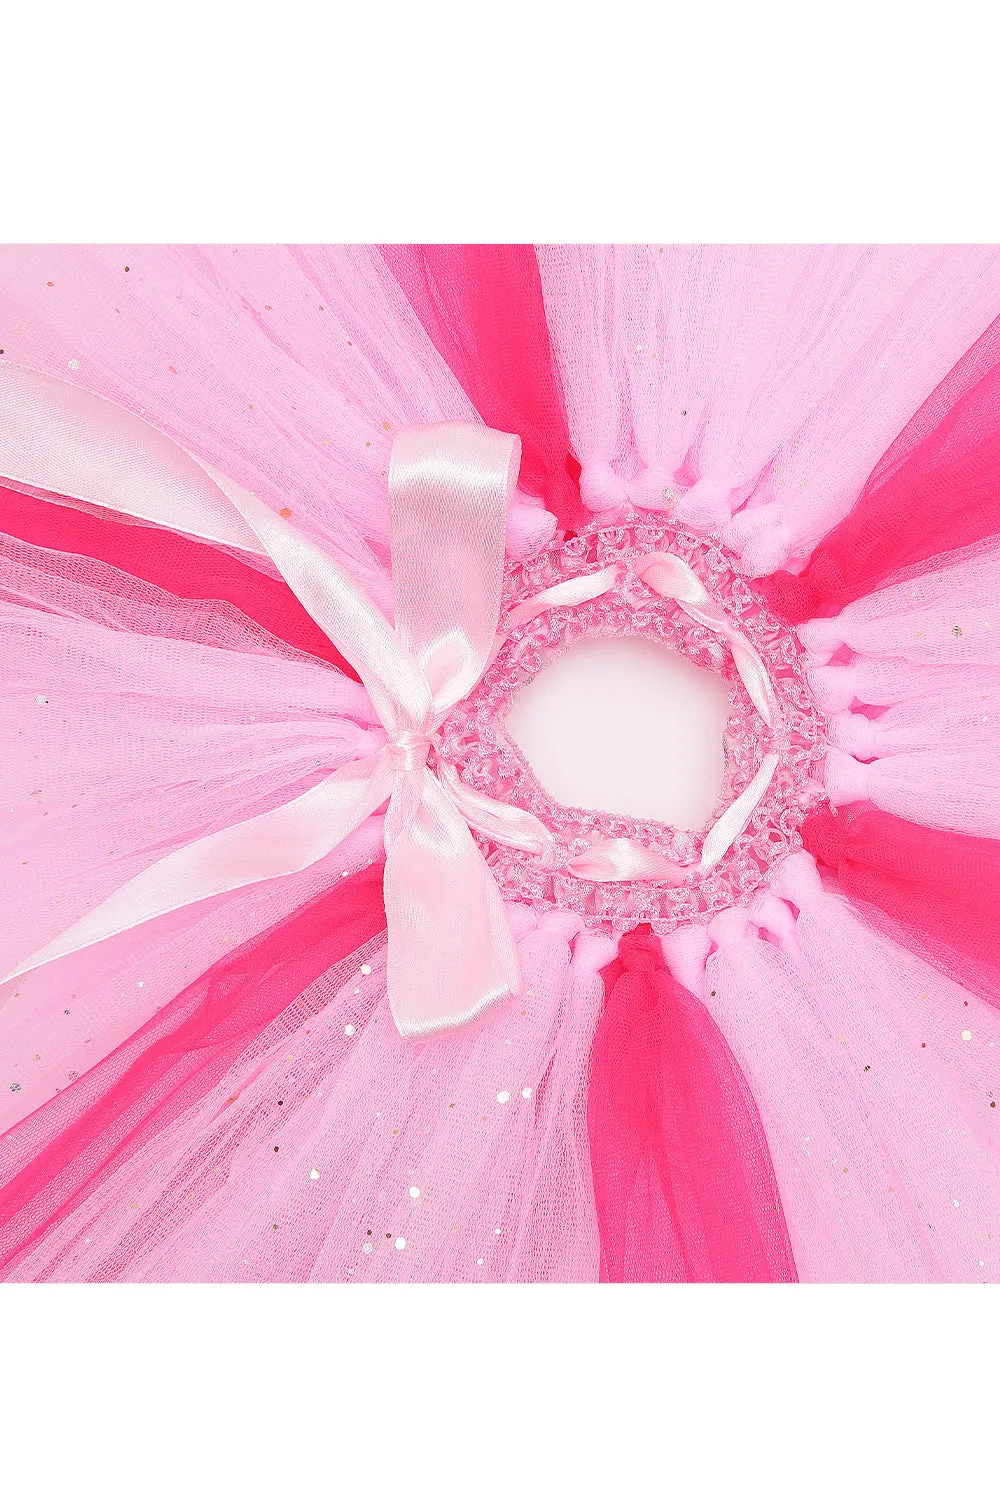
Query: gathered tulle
136	721
874	1076
179	565
940	614
287	368
752	388
335	1150
934	490
914	727
802	1089
683	1183
482	307
66	1149
933	890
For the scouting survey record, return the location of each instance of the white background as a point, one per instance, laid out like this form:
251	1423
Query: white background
703	121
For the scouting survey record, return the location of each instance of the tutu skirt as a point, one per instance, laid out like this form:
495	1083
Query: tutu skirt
776	1062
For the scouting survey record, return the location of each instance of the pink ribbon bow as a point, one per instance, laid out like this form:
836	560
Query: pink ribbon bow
451	952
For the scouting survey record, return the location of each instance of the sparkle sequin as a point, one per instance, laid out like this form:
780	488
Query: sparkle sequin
503	1097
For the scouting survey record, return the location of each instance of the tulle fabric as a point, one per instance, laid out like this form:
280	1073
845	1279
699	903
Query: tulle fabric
287	368
934	891
935	758
179	565
683	1183
940	614
758	384
934	491
482	307
464	1158
932	639
134	723
64	1151
874	1076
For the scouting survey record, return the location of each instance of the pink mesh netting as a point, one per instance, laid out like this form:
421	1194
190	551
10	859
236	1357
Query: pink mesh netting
135	721
287	368
934	890
62	1153
931	757
176	564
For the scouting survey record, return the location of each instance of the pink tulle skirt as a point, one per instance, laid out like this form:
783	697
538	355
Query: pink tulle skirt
800	1086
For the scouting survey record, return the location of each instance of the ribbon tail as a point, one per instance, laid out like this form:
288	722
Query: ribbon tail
451	952
283	841
734	820
500	821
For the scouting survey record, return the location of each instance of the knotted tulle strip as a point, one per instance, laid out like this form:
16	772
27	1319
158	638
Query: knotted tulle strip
683	1181
482	307
464	1159
934	490
67	1148
935	891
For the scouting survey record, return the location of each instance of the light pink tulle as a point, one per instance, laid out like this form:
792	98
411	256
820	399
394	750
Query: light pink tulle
339	1151
926	649
874	1077
289	369
944	614
750	391
765	377
135	722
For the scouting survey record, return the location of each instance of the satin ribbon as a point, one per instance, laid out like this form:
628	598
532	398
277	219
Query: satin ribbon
451	953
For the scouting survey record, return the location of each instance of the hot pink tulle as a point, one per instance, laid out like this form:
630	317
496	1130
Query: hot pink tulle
70	1146
482	307
335	1150
937	890
683	1182
935	490
177	564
